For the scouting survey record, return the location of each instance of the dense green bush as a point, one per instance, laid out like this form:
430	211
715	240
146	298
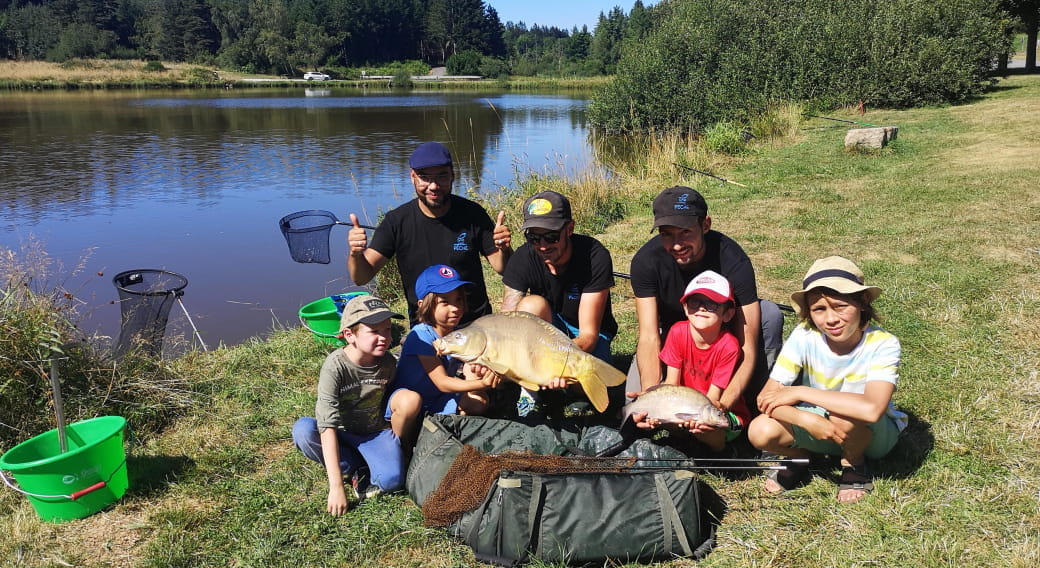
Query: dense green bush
713	60
464	63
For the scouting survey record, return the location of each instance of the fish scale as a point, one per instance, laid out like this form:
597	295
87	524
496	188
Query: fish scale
531	352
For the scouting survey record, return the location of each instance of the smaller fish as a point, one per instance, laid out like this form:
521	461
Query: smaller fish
673	404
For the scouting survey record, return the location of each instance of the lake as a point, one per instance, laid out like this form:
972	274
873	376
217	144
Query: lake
195	183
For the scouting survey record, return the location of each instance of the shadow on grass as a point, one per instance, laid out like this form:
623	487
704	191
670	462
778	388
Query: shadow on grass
151	475
915	443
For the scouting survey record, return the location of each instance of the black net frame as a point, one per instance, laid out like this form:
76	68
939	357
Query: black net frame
307	234
145	299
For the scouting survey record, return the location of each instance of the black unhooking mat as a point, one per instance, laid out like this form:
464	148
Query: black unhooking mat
641	507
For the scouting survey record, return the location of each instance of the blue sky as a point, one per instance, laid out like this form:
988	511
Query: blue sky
563	14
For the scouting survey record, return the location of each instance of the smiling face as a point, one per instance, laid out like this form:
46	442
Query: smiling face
839	318
443	310
369	341
433	186
706	315
685	244
556	253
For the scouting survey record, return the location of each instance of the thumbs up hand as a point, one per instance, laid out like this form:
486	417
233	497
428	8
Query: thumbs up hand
357	238
502	236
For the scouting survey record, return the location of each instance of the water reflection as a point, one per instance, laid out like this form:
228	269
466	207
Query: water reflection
195	182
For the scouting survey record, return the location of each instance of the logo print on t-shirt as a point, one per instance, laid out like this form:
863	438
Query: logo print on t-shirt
460	243
574	293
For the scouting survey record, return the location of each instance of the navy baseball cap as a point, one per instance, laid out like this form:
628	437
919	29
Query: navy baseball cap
679	206
428	155
439	278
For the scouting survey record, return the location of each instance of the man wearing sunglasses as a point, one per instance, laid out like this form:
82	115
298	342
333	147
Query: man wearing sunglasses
685	246
436	227
562	277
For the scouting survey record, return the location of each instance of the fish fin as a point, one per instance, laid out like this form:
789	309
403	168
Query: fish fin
596	391
608	374
527	384
686	416
494	366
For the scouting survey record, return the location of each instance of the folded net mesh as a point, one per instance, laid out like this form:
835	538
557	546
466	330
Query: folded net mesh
145	299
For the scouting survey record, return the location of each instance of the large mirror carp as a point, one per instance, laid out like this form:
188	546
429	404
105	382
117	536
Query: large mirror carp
530	351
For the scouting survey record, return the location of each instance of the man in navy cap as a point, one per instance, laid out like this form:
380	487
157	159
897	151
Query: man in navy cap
685	246
436	227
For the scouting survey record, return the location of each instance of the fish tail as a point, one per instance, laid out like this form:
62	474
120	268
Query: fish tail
595	390
608	374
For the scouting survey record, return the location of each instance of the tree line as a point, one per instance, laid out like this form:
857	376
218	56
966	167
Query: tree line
285	36
731	61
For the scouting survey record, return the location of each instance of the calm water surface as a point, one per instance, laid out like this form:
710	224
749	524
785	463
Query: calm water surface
196	182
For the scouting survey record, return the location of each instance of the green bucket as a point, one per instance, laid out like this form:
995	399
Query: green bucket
321	317
88	477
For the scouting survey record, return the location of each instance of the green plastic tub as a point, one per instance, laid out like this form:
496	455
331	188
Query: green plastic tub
88	477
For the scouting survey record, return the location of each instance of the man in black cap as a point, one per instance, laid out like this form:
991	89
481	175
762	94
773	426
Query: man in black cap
562	277
684	247
436	227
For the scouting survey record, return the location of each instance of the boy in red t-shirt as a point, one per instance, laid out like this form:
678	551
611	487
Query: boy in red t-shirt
700	354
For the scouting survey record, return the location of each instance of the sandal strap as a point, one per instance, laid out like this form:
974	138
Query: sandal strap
857	477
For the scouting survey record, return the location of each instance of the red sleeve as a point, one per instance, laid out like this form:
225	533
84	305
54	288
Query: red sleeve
672	352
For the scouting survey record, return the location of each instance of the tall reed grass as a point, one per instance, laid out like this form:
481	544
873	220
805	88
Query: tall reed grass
40	339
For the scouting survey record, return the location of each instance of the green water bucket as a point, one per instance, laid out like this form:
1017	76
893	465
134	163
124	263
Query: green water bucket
88	477
321	317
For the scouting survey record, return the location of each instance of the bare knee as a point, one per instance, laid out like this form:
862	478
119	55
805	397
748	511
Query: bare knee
536	305
765	433
473	403
405	403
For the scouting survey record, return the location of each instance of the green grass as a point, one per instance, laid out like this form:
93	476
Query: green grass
946	220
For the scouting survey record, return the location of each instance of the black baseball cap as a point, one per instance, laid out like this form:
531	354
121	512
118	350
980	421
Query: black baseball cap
546	210
679	206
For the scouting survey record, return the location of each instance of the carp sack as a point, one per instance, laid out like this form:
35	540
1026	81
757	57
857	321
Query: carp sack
674	404
532	352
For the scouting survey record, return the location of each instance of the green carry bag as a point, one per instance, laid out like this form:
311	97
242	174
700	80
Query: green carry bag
639	514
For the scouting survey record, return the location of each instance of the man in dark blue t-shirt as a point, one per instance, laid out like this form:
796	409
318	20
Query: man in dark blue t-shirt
436	227
562	277
684	247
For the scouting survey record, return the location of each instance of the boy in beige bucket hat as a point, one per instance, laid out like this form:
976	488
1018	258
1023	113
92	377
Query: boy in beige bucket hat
848	367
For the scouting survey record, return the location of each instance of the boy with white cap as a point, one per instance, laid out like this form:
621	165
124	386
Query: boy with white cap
349	435
849	368
699	353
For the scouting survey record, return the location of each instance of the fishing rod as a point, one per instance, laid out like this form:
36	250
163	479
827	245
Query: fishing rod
841	120
783	307
594	463
720	178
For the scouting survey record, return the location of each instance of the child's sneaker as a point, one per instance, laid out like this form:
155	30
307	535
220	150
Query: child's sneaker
361	482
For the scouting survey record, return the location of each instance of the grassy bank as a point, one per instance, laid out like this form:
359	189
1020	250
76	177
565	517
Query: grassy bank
137	74
946	220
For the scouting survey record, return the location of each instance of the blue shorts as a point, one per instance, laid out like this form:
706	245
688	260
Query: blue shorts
602	350
886	434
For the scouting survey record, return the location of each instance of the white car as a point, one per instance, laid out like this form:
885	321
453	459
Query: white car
315	76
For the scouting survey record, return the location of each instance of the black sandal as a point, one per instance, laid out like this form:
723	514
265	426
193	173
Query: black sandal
856	478
792	477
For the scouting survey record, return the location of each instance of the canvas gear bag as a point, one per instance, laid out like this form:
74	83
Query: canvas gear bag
640	512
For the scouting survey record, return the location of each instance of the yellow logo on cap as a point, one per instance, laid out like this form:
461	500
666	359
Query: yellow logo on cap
539	207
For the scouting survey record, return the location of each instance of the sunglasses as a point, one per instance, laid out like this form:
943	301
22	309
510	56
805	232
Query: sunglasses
550	238
439	179
694	304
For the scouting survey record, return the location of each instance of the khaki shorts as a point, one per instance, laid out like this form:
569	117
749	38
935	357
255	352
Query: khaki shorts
886	434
